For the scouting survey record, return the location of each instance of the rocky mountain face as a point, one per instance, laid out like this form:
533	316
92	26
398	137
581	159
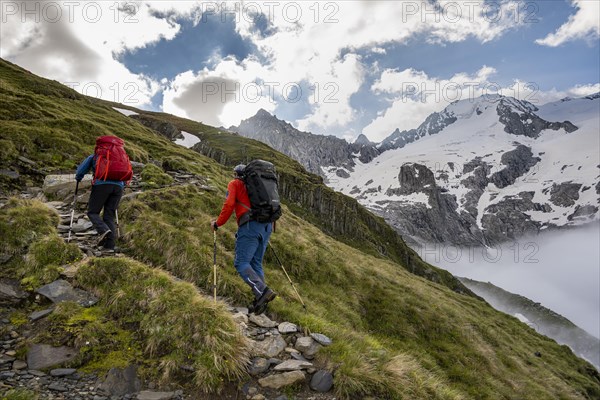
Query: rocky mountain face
312	151
540	318
485	171
435	123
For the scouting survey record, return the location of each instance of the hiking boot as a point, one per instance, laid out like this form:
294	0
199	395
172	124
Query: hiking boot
103	238
252	307
107	250
260	305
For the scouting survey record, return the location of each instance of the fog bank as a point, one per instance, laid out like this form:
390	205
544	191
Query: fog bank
560	270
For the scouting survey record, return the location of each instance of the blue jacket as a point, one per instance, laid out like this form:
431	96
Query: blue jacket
90	164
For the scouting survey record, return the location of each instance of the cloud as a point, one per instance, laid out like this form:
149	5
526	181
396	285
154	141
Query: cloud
76	44
415	95
584	24
535	267
531	93
220	96
331	107
308	40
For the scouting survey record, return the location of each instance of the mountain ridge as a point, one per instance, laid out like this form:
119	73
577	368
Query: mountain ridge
496	171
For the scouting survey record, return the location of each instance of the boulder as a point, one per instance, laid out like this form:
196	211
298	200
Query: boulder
10	291
120	382
61	290
63	186
9	173
42	356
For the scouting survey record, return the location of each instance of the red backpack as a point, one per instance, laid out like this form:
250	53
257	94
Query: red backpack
112	162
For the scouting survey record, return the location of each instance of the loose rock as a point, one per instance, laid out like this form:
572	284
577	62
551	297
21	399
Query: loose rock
61	290
19	365
270	347
322	381
262	320
120	382
10	291
148	395
293	365
34	316
287	327
307	346
62	371
321	339
42	356
258	366
278	381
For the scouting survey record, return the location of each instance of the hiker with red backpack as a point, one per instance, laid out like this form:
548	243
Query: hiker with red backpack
254	196
112	170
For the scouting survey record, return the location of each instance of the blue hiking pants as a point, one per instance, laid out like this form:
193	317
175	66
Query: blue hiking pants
250	246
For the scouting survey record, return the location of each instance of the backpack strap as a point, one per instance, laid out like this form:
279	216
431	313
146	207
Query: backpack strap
243	205
247	216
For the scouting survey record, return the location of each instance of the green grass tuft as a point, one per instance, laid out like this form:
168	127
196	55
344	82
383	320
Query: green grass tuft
20	394
175	324
44	260
22	222
154	177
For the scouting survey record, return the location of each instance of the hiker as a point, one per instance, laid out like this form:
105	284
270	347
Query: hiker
252	236
112	170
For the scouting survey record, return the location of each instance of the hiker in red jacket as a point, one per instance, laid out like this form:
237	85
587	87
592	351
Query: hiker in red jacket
251	243
111	169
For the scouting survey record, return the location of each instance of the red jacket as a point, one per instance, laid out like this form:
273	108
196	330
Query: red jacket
236	196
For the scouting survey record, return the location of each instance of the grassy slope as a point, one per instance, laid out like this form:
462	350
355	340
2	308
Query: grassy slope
396	335
336	214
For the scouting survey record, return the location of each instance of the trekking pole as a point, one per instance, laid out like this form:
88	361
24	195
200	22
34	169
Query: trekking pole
215	266
73	211
118	229
288	277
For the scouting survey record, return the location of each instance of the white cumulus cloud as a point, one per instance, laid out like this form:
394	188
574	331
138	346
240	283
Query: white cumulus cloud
414	95
220	96
584	24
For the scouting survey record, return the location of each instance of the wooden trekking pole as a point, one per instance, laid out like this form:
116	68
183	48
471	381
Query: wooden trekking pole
288	277
215	266
118	229
73	211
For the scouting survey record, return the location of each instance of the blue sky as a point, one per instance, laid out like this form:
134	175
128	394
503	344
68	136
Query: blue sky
354	54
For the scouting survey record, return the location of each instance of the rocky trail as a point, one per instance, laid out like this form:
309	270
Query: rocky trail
282	352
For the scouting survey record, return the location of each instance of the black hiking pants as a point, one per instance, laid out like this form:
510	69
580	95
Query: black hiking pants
105	196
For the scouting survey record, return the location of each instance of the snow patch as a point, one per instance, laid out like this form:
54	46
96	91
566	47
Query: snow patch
188	140
125	111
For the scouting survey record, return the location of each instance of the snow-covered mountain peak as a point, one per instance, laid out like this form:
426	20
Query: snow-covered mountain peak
500	168
463	109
